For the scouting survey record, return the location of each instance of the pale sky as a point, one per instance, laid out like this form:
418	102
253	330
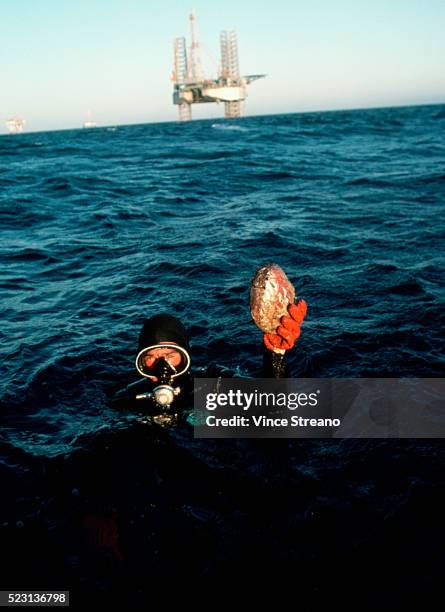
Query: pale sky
59	58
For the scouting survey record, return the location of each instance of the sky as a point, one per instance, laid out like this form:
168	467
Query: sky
59	58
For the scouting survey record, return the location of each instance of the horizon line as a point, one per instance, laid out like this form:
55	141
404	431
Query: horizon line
333	110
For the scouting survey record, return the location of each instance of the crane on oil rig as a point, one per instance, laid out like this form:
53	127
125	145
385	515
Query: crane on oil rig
190	86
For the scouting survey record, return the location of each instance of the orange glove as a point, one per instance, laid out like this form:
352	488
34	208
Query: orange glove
289	331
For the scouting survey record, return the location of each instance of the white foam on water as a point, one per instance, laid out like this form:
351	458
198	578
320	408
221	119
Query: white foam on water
237	128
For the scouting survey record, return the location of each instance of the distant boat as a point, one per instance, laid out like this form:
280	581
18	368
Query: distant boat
89	123
15	125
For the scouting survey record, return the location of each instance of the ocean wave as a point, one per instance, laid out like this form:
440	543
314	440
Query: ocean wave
409	287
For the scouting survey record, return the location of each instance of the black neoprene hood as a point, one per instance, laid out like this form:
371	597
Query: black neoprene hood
163	328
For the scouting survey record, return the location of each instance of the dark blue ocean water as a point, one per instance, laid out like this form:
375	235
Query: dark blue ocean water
103	228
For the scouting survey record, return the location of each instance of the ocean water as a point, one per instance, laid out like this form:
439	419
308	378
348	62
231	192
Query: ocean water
103	228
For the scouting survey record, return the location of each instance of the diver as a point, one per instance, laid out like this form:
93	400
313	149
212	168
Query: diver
163	361
165	391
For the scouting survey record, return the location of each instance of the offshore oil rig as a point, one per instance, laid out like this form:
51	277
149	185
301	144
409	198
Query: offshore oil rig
191	87
15	125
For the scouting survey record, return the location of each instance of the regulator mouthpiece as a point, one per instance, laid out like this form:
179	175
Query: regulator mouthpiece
163	395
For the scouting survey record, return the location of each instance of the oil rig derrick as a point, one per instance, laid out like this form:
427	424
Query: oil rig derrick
191	87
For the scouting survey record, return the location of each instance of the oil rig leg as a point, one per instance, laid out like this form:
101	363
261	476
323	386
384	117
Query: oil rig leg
185	112
232	109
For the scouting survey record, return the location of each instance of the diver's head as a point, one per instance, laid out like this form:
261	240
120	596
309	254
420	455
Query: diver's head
163	349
